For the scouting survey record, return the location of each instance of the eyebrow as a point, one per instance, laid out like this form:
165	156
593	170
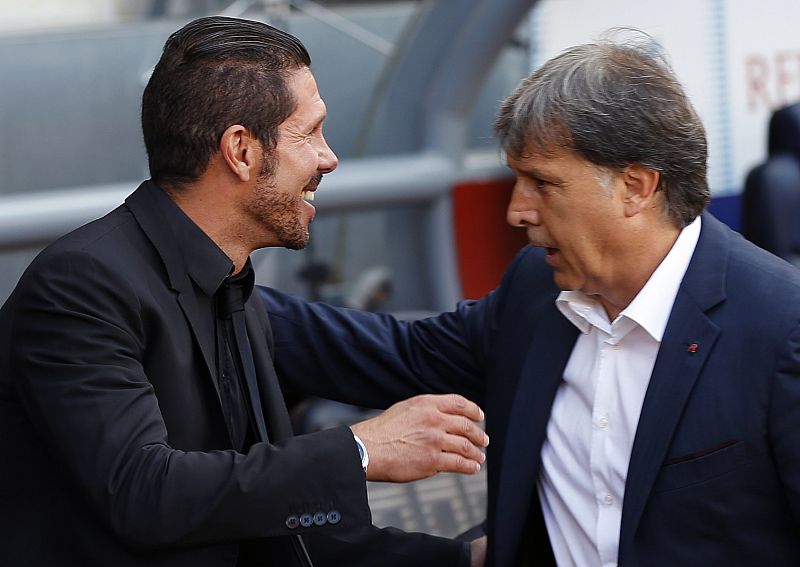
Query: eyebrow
532	171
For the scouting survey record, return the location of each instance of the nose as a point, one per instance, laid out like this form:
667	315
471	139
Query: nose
327	159
522	210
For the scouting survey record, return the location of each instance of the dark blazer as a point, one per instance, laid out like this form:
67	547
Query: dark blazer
714	476
115	448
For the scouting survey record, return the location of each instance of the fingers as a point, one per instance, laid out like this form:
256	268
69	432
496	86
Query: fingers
467	429
452	405
459	405
448	462
460	417
455	463
455	415
460	446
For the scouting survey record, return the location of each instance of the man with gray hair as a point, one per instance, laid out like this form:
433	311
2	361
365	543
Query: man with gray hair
639	363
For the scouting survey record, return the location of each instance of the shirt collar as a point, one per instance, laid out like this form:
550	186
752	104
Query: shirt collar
652	306
204	261
245	279
581	310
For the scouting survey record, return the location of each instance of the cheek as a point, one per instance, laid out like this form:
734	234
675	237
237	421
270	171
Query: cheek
305	156
301	168
296	162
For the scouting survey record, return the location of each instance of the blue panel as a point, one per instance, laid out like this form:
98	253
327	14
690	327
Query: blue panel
727	209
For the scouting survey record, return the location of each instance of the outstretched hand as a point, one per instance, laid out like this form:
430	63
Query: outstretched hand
422	436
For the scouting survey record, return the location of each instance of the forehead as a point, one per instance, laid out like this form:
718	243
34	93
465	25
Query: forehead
310	106
556	165
542	158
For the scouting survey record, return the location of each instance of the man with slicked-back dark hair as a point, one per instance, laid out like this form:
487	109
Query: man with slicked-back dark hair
141	418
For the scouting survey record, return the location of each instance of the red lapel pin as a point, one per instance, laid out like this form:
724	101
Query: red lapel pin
692	348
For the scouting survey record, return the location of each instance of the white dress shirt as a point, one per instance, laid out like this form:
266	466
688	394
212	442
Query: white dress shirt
596	411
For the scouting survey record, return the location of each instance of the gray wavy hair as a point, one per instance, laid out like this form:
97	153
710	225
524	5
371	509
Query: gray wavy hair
614	103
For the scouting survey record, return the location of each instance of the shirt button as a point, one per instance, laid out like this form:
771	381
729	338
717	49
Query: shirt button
306	520
334	517
608	500
320	518
602	423
292	522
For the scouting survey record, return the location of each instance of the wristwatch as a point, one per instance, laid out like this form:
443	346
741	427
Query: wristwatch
362	452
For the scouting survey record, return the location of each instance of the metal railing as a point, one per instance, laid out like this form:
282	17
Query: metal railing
424	178
33	220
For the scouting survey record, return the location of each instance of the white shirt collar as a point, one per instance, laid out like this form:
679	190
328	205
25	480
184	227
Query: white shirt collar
652	305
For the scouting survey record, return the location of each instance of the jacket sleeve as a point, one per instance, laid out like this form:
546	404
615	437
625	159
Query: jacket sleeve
76	357
373	359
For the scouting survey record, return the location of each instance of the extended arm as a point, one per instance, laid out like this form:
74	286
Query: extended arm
374	360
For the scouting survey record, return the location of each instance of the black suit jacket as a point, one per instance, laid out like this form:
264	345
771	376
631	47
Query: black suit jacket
115	449
714	475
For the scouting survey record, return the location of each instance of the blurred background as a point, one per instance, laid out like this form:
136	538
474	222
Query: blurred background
413	219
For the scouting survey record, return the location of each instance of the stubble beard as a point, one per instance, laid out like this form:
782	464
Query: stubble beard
279	213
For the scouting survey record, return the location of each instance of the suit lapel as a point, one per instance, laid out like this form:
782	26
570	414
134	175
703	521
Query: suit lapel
688	340
549	349
198	313
675	373
197	310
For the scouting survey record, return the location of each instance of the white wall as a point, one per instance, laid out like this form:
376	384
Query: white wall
24	15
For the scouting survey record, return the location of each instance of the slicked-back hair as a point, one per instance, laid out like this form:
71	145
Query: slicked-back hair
614	104
216	72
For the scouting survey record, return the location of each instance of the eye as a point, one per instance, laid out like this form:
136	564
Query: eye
316	130
536	183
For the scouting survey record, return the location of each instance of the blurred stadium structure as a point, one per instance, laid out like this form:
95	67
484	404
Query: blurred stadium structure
412	87
445	505
410	101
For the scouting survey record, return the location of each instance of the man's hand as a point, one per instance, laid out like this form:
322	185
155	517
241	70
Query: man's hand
422	436
478	549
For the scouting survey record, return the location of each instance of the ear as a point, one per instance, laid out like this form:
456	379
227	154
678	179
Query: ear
240	151
641	188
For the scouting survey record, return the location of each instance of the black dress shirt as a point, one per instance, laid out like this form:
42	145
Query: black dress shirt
230	297
210	268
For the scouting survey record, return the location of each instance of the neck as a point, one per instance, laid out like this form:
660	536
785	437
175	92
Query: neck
211	212
645	253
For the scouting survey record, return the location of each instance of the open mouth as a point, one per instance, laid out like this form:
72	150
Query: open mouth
550	254
307	194
549	250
